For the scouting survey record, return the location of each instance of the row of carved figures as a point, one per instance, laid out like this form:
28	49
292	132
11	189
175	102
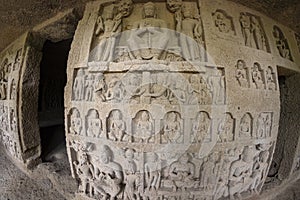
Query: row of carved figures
8	119
253	32
255	77
171	88
168	175
171	129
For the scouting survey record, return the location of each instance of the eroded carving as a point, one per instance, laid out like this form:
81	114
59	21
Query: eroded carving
144	128
116	126
271	79
257	76
246	125
226	129
242	74
149	37
75	122
94	124
264	125
172	129
201	128
253	33
108	175
282	43
223	22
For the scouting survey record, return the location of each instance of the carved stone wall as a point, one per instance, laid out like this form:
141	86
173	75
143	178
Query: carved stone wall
19	77
174	100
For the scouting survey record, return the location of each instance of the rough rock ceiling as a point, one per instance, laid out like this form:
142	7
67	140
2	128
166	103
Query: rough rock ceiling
17	16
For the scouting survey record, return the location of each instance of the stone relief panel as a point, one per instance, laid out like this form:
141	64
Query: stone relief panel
10	66
253	32
257	77
148	117
223	22
281	43
124	33
264	125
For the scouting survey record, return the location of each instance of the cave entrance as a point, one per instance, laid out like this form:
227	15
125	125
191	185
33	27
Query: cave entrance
287	151
53	79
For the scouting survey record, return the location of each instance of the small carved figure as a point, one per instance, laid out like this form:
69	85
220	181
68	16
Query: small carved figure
191	39
18	59
109	25
108	175
178	90
246	28
89	87
144	128
246	127
117	126
209	172
226	128
13	90
200	128
131	177
270	79
258	34
75	122
264	123
172	128
182	173
115	91
78	86
133	88
159	89
259	171
85	172
150	37
241	74
281	43
94	125
240	178
205	95
13	120
152	171
257	77
100	87
217	87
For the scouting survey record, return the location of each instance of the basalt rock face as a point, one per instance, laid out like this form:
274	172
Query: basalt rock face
164	100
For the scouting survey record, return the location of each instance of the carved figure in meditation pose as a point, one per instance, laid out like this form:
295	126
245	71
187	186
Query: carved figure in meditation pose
117	126
172	128
144	128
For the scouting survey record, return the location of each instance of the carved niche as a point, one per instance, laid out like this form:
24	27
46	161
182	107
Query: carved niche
281	43
148	116
253	32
